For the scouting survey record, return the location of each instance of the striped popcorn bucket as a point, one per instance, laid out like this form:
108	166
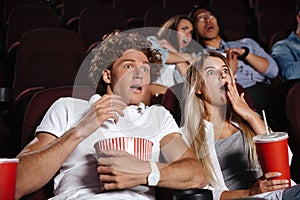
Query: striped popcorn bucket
139	147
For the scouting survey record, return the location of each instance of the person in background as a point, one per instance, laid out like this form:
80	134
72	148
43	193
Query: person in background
120	71
219	128
174	40
287	52
253	68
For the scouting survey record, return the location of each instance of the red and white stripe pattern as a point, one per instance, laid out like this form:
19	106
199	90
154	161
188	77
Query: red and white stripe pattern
139	147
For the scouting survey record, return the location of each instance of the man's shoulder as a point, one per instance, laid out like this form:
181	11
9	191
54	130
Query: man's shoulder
70	102
283	42
242	40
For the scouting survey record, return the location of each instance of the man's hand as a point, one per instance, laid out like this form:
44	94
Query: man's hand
109	106
119	170
232	56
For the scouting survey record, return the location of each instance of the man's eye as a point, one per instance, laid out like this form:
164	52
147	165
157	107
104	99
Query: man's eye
145	69
128	67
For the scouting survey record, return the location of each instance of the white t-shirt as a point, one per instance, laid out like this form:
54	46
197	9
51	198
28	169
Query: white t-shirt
78	178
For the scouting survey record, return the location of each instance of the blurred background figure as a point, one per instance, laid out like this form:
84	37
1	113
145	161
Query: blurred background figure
253	68
286	52
174	41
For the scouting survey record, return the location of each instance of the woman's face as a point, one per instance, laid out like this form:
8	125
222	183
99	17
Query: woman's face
215	74
184	32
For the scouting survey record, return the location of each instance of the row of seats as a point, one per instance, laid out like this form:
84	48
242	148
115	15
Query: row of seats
42	99
258	19
92	29
239	19
42	61
68	9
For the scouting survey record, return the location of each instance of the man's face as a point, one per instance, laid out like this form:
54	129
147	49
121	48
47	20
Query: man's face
206	24
130	76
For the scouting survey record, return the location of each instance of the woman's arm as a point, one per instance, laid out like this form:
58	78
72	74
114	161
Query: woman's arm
242	108
262	185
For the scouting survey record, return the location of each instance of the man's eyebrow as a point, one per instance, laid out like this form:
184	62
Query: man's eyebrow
133	60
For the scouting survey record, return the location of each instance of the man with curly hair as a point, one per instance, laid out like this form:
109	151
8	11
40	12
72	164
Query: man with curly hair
120	71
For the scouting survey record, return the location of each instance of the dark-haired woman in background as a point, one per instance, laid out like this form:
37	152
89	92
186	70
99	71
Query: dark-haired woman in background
174	41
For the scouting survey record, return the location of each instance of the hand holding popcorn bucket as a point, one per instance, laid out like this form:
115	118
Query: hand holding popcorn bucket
141	148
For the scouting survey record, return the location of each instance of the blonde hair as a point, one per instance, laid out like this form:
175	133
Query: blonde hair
195	113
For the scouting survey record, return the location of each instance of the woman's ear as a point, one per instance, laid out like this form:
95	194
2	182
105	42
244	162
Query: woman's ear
106	76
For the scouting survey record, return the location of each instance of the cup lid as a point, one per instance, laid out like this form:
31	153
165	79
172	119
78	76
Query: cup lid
9	160
272	137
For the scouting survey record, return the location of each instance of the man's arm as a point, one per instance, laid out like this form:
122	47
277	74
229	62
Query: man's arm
41	159
183	169
287	61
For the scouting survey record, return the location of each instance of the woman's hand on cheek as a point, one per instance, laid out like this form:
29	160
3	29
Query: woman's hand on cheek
237	100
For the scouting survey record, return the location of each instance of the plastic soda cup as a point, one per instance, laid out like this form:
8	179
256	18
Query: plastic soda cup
8	173
272	152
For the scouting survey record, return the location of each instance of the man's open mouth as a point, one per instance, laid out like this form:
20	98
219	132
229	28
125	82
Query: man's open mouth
136	87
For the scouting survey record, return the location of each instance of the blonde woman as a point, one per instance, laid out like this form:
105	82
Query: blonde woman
220	127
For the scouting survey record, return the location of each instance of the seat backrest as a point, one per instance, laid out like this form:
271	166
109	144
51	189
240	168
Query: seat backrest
97	21
36	109
72	8
156	16
186	6
261	5
48	57
133	8
41	101
236	23
270	21
292	108
9	5
278	35
28	17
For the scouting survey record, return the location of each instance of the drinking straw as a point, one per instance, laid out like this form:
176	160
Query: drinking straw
265	120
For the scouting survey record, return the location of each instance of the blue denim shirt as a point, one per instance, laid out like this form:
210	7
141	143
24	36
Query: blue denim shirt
246	75
286	53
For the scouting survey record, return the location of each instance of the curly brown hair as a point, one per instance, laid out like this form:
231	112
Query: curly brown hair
112	47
